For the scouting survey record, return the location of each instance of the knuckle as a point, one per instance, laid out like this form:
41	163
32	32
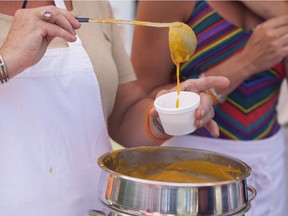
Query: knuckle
18	13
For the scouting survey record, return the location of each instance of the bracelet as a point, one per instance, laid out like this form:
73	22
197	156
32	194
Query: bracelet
3	71
213	96
148	130
216	97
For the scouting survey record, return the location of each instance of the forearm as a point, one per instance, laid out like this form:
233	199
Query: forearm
132	128
127	124
9	63
236	69
268	9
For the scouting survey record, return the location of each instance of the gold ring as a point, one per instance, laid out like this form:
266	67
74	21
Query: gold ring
47	14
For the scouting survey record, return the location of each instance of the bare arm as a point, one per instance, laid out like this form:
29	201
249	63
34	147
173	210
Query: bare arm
267	9
150	52
266	47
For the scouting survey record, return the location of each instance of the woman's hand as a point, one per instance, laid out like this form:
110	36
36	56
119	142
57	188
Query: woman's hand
267	46
205	111
31	33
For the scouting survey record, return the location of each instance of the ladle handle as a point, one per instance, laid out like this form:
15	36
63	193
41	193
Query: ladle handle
120	21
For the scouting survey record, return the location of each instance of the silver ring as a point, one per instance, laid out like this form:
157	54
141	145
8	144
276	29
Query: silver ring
47	14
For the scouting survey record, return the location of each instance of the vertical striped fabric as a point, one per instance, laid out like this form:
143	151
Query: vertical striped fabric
249	112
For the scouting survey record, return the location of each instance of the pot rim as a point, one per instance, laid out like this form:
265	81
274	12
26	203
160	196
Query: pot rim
172	184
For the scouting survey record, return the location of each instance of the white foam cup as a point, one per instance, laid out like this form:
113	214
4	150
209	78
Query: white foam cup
181	120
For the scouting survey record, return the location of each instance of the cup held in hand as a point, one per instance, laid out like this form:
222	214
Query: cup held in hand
181	120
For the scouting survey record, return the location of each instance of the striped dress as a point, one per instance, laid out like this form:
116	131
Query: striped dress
249	112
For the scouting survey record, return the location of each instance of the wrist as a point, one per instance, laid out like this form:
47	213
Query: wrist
7	58
246	65
154	128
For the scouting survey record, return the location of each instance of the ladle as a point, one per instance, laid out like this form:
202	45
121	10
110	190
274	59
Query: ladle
182	40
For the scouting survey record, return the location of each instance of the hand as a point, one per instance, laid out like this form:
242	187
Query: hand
31	33
205	111
267	46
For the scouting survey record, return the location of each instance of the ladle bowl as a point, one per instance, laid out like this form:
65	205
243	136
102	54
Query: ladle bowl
182	42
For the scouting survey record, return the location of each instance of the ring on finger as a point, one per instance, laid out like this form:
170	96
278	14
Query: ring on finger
47	14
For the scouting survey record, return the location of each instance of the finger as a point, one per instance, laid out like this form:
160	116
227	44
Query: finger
206	103
206	117
204	83
285	50
276	22
212	127
67	21
283	41
60	17
51	30
281	31
46	15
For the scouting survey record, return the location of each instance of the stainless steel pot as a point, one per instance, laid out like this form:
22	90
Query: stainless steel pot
134	196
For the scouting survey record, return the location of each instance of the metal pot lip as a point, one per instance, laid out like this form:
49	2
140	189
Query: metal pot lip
171	184
116	175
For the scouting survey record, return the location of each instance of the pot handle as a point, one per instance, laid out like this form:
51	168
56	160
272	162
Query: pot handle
96	213
252	191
